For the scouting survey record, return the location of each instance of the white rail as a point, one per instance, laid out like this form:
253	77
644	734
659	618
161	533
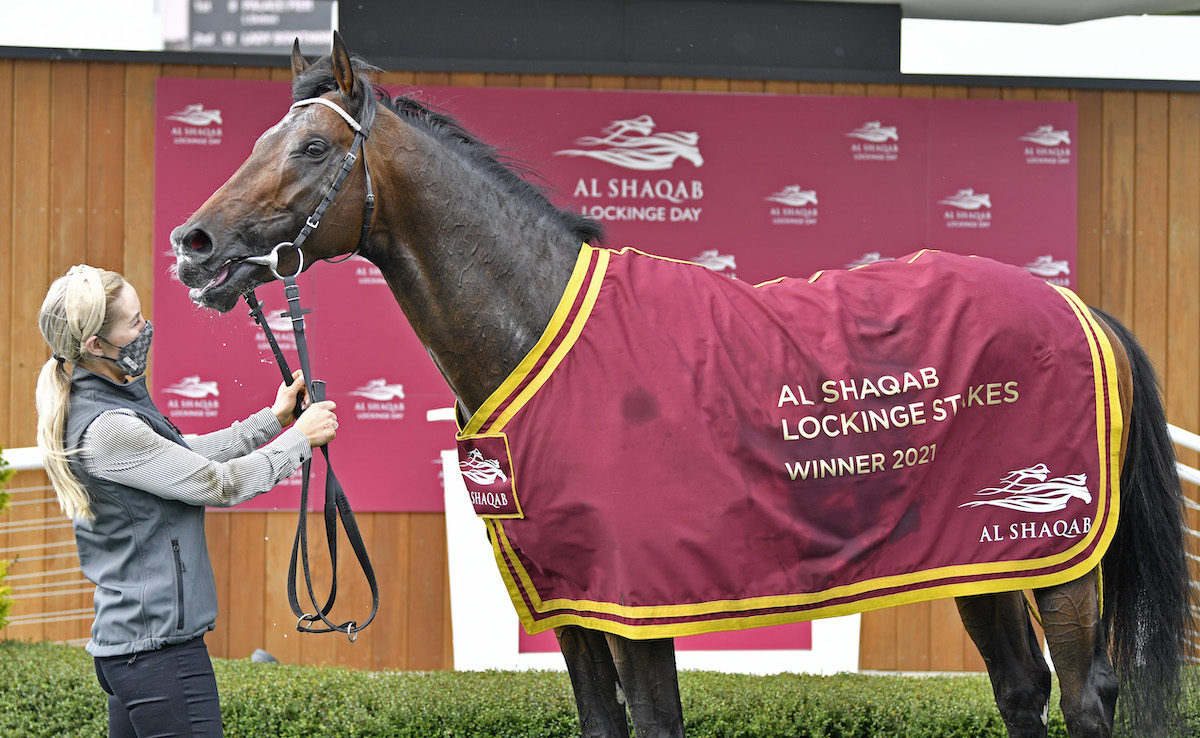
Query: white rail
26	459
1187	439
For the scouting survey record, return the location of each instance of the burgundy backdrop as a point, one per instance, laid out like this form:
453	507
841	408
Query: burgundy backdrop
755	186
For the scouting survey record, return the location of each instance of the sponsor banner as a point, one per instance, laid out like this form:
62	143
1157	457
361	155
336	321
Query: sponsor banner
751	186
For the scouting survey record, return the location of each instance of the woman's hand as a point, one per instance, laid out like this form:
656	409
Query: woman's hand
318	423
287	397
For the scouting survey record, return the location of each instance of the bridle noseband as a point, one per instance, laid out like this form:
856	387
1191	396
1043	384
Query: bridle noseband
336	504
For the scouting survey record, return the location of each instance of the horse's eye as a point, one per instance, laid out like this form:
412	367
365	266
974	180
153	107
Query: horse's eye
314	149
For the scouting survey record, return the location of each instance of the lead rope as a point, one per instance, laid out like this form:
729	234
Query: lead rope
337	506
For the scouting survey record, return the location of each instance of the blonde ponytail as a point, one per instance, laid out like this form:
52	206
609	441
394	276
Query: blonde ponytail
53	392
75	309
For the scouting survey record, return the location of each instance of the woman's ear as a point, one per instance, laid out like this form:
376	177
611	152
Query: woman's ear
93	347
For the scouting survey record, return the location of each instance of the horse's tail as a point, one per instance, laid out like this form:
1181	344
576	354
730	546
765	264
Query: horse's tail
1147	588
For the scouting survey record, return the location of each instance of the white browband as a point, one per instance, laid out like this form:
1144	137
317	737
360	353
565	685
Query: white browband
332	106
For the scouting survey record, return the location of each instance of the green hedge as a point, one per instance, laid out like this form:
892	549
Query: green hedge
6	473
50	690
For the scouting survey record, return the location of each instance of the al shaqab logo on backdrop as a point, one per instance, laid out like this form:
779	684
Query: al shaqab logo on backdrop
633	144
714	260
1054	271
796	206
196	125
193	387
382	400
1049	146
197	398
281	327
875	142
967	209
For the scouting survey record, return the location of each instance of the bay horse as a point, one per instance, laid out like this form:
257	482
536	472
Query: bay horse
478	258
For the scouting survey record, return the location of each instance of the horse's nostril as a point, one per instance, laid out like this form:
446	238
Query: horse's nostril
198	240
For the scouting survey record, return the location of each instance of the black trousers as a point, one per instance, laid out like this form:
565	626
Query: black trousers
155	694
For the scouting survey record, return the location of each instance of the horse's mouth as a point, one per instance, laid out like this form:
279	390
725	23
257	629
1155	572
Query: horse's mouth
232	280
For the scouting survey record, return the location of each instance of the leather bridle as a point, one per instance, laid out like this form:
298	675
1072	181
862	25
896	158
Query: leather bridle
337	506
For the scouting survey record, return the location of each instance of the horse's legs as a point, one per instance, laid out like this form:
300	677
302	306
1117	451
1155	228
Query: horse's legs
1000	626
594	681
651	685
1078	641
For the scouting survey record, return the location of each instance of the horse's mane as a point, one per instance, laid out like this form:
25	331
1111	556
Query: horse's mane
507	172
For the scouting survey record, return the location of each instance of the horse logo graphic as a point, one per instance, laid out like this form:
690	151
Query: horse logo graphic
968	199
716	261
874	132
794	196
380	391
1047	266
281	325
633	144
868	258
197	115
193	388
1047	136
1031	490
480	470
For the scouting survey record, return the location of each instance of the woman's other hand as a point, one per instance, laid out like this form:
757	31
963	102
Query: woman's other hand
318	423
287	398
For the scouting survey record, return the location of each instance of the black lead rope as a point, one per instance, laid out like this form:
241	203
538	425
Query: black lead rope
337	506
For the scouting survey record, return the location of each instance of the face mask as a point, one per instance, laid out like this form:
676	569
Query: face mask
131	358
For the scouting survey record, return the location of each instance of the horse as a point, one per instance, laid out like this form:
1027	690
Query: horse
477	258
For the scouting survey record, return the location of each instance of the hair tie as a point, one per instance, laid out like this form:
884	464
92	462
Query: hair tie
59	359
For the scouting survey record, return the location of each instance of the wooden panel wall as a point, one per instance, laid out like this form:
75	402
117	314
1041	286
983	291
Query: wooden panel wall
79	188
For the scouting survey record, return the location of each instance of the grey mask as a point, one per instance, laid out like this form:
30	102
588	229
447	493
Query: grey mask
132	357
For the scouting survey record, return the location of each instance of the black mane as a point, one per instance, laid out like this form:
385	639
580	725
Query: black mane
509	173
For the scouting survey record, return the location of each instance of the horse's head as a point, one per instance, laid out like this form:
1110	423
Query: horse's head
242	235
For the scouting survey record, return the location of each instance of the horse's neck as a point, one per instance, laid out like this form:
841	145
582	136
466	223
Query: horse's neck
477	275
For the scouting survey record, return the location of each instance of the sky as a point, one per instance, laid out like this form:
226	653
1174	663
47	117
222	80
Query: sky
1127	47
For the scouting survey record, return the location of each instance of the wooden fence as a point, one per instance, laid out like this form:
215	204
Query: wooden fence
79	187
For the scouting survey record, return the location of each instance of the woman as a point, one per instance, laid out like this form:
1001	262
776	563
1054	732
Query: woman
136	490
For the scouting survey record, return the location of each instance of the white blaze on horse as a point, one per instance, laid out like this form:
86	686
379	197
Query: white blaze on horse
510	295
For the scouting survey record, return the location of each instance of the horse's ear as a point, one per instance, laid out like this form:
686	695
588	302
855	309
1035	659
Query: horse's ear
298	63
342	71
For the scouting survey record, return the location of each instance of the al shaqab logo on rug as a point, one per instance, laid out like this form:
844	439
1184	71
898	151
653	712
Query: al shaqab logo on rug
480	470
486	466
1032	490
633	144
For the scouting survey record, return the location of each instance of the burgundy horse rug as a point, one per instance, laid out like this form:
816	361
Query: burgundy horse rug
684	453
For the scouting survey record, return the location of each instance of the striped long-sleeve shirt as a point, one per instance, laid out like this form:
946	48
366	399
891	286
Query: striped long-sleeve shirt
221	469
